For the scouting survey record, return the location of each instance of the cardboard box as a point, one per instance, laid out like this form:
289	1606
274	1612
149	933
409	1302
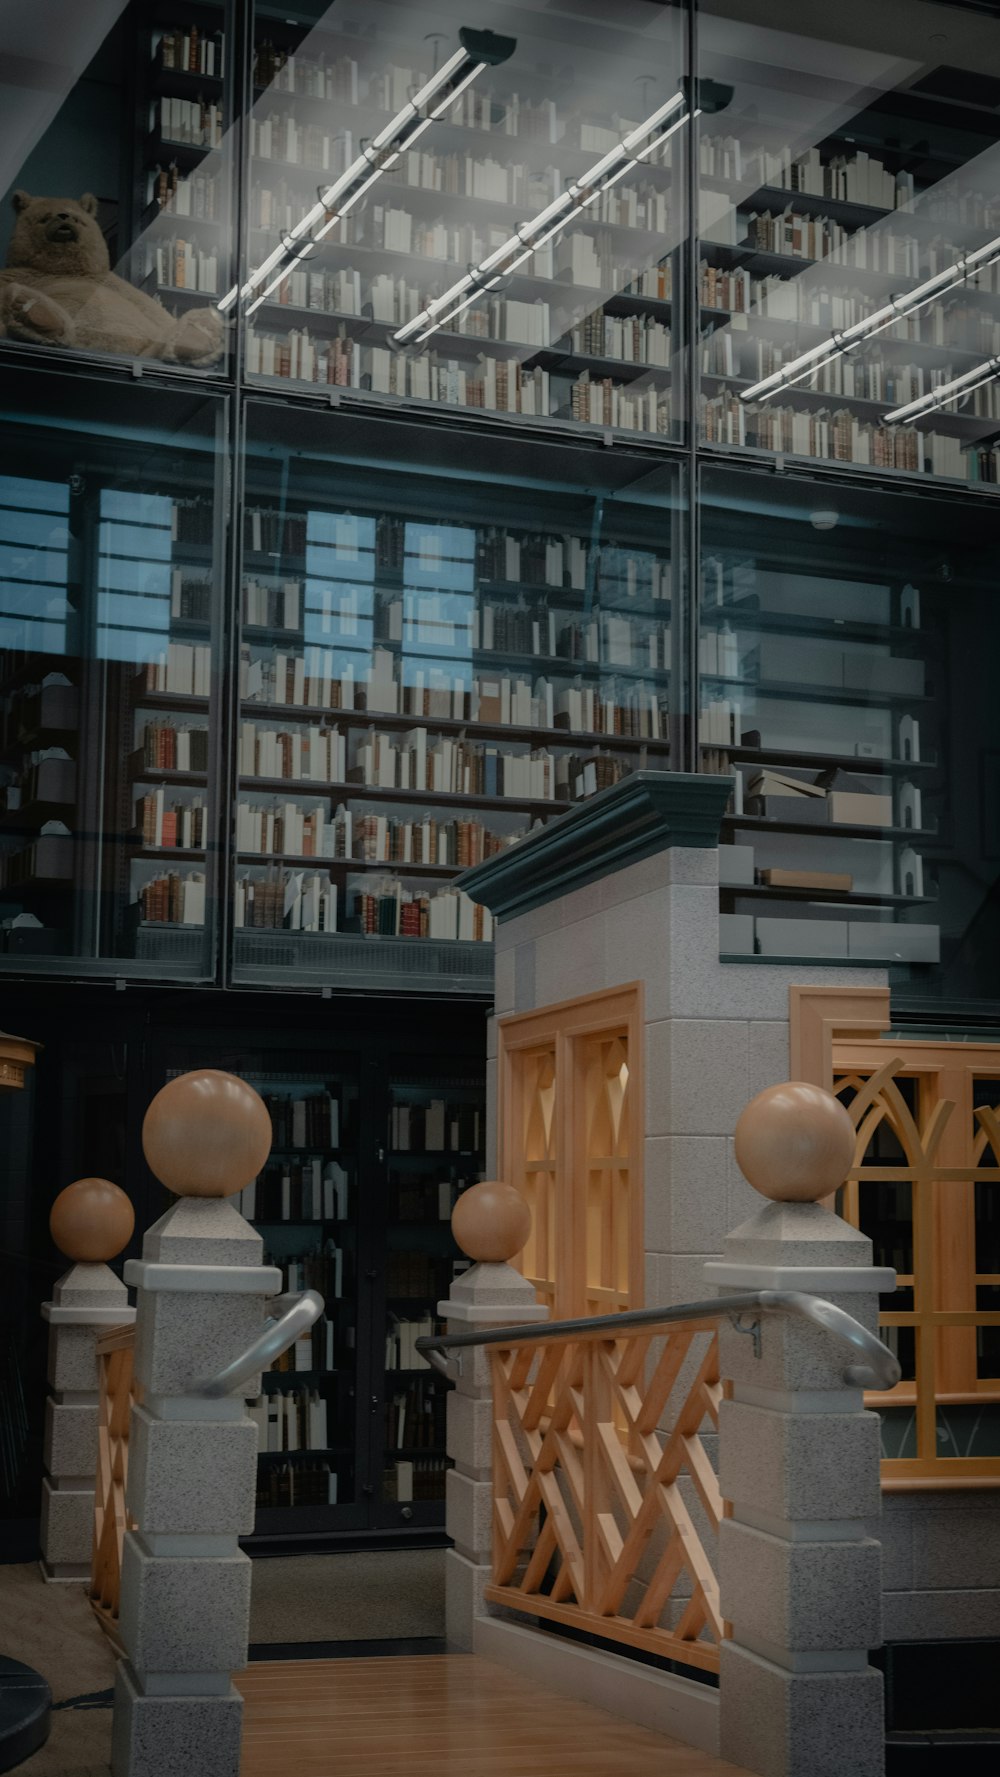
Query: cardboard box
802	937
809	879
850	808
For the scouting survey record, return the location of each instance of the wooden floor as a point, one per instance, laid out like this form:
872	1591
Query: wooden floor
450	1715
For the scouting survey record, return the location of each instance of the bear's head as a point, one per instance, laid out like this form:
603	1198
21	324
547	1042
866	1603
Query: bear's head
58	234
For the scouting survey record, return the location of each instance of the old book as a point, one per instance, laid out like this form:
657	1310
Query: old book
807	879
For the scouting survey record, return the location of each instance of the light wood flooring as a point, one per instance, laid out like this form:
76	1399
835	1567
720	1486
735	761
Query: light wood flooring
449	1715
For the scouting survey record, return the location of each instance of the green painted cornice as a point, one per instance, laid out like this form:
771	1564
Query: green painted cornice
647	812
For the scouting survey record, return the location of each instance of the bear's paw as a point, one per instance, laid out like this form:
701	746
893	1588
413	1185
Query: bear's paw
200	337
30	315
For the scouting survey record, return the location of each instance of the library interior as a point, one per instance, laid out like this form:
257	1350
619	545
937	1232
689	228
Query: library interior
499	828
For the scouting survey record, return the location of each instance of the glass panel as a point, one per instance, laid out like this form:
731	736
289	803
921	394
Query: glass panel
117	222
433	660
305	1206
436	1139
969	1429
512	244
850	236
112	542
845	681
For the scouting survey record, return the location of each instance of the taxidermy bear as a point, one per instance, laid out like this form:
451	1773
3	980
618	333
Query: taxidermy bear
58	289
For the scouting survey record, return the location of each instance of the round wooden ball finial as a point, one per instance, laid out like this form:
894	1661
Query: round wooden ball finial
91	1220
491	1222
795	1142
206	1134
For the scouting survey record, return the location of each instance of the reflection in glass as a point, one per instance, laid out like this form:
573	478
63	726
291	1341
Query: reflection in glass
521	259
850	240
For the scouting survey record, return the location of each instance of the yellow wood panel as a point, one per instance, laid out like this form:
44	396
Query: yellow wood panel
439	1716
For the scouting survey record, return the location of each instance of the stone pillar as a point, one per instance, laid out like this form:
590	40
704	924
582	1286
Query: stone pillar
91	1221
491	1223
799	1464
202	1293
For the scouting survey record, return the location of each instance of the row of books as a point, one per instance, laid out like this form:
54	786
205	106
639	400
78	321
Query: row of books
388	910
419	1478
321	1268
183	265
840	436
401	1333
313	1189
391	839
629	407
184	669
307	1120
415	1417
283	137
303	754
290	900
198	122
312	1351
645	205
284	828
458	767
858	178
290	1419
867	377
435	1127
428	1198
297	1484
385	543
631	339
162	825
189	50
168	746
497	384
959	324
190	595
199	195
173	898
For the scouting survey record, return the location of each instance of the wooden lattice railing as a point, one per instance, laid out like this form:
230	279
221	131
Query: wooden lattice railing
606	1504
118	1390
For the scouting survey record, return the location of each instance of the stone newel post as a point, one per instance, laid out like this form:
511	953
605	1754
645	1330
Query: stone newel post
90	1221
202	1290
799	1462
491	1223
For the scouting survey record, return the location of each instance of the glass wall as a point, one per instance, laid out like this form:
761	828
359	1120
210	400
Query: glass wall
430	538
112	544
437	654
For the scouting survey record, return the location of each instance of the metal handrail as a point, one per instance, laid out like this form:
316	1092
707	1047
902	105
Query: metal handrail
880	1370
288	1318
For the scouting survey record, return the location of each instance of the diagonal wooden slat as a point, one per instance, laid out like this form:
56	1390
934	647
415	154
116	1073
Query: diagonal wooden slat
587	1479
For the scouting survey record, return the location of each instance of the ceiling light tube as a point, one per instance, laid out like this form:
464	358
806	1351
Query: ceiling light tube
480	49
529	236
945	392
897	306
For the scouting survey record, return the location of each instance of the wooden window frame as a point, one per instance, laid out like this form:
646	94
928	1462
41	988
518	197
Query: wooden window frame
563	1026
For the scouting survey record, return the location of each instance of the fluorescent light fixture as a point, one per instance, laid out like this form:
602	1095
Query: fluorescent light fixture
528	237
480	49
906	304
945	392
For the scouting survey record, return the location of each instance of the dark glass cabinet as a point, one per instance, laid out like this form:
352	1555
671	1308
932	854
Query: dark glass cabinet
371	1149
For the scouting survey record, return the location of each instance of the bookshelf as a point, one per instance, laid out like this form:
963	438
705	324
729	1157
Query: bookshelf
436	1141
371	1148
108	706
304	1204
827	693
416	694
583	331
799	244
183	237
